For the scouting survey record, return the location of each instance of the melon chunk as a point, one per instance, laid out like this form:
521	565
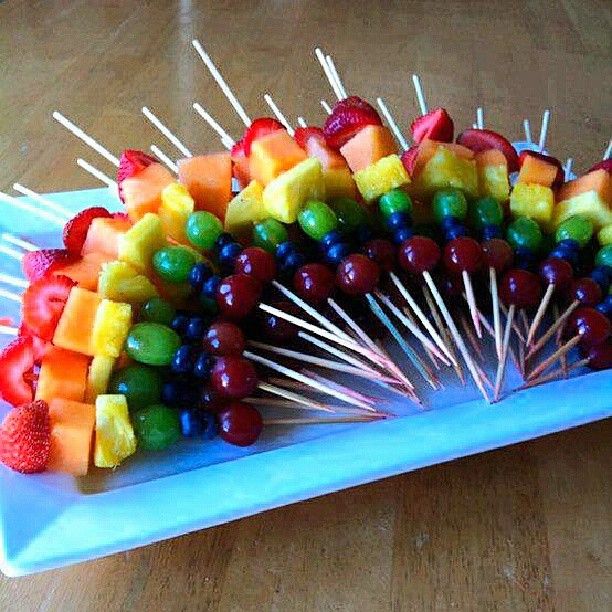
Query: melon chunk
369	145
63	375
273	154
74	329
587	204
142	193
428	148
330	158
538	171
72	426
599	181
104	235
86	271
208	179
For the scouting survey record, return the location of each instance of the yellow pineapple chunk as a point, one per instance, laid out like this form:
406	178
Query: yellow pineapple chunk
493	182
605	235
99	374
176	206
115	438
111	327
339	183
588	204
286	195
533	201
245	209
381	176
141	241
121	282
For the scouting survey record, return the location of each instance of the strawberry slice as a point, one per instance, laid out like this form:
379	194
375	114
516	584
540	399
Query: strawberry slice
559	178
131	162
37	264
17	359
120	215
75	231
435	125
604	164
482	140
238	151
43	304
25	438
258	128
348	117
303	135
409	157
38	344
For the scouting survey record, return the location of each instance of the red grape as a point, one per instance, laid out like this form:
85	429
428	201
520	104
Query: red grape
462	254
521	288
224	339
313	282
233	377
497	253
357	275
254	261
240	424
419	254
237	295
382	252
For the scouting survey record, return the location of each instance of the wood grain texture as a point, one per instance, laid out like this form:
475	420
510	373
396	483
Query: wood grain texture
522	528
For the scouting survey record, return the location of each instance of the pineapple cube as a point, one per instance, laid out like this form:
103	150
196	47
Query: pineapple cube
588	204
111	327
492	170
533	201
286	195
176	206
115	438
605	235
339	183
141	241
99	374
120	282
245	209
381	176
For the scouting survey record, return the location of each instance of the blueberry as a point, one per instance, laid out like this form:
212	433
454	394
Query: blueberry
337	252
331	238
182	362
209	425
398	220
401	234
228	253
209	288
569	245
448	222
203	366
601	275
363	233
455	231
192	423
491	231
524	258
222	240
179	323
198	274
292	262
605	306
195	328
284	249
179	391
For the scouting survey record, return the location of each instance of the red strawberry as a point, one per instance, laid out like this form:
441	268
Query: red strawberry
38	344
548	159
258	128
37	264
435	125
348	117
238	150
16	359
120	215
604	164
303	135
43	304
483	140
8	321
75	231
131	162
409	157
25	438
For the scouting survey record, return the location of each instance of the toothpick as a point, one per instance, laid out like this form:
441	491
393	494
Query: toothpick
226	140
392	124
335	420
555	374
353	325
456	336
501	366
559	322
544	130
166	132
336	76
328	110
9	295
50	204
328	73
524	320
559	339
12	253
164	158
496	319
486	325
269	402
229	94
88	140
527	128
6	330
515	327
471	338
471	300
30	208
608	151
535	324
333	384
277	113
95	172
302	122
480	118
14	281
563	350
416	81
291	396
23	244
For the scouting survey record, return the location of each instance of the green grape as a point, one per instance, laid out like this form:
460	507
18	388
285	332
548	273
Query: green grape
268	234
524	232
141	385
486	211
394	201
317	219
203	229
449	203
152	343
576	228
173	263
157	427
604	256
350	213
157	310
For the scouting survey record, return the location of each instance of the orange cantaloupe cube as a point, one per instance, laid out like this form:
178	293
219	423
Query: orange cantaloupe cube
369	145
208	179
536	170
329	158
490	157
598	180
63	375
72	427
104	234
75	327
86	271
273	154
142	193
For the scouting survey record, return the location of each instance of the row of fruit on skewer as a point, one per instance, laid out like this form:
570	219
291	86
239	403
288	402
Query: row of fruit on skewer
131	333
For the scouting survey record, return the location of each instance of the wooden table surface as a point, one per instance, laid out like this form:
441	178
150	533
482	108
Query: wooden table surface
522	528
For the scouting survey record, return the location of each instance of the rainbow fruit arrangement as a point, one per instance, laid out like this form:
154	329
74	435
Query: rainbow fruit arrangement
134	333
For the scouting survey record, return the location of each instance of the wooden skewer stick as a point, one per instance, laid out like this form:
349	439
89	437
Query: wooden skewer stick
328	73
340	419
471	300
95	172
334	384
336	76
88	140
568	169
22	244
501	366
496	318
539	315
268	402
491	333
471	338
527	128
515	326
524	320
558	324
291	396
14	281
302	122
326	107
480	118
456	336
9	295
46	202
166	131
544	130
7	330
227	141
560	371
559	340
418	88
278	114
563	350
392	124
164	158
353	325
12	253
30	208
608	151
216	75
